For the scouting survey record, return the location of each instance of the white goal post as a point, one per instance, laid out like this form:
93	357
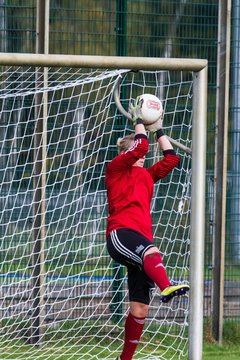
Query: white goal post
58	128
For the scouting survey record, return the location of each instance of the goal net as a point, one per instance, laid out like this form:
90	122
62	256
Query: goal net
61	295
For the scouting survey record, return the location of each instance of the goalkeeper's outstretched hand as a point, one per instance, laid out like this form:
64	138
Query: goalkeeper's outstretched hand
135	110
155	126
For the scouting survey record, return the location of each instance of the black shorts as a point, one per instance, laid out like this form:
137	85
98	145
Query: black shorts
127	247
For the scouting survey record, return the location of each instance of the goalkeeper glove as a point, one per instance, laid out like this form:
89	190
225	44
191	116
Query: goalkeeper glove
155	126
136	112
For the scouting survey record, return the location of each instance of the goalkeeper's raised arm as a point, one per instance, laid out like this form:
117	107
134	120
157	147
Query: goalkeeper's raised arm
163	141
132	149
169	161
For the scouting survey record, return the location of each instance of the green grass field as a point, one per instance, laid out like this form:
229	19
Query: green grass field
210	352
230	347
223	352
92	349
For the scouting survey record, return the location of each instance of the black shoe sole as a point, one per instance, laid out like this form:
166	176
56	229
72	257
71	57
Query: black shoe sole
179	292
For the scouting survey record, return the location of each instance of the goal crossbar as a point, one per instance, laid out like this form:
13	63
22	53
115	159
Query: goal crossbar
110	62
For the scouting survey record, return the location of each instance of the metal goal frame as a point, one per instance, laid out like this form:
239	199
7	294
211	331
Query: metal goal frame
199	69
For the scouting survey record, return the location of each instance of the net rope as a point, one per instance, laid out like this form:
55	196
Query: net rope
82	297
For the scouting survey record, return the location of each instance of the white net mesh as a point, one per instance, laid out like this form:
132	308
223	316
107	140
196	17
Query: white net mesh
59	289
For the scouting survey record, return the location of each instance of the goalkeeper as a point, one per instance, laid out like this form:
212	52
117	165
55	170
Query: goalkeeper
129	228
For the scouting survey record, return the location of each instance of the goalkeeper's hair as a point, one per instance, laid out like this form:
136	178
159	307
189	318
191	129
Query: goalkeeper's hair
123	144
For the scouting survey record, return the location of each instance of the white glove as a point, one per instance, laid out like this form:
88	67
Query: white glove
155	126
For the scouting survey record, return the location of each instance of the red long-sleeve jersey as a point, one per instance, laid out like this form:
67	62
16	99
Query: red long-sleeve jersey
130	188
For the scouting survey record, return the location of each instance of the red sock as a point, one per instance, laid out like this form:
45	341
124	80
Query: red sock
154	268
133	331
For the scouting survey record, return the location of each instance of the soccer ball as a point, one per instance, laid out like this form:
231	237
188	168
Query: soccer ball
151	108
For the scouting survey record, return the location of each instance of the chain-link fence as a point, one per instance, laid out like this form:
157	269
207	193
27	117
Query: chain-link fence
149	28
